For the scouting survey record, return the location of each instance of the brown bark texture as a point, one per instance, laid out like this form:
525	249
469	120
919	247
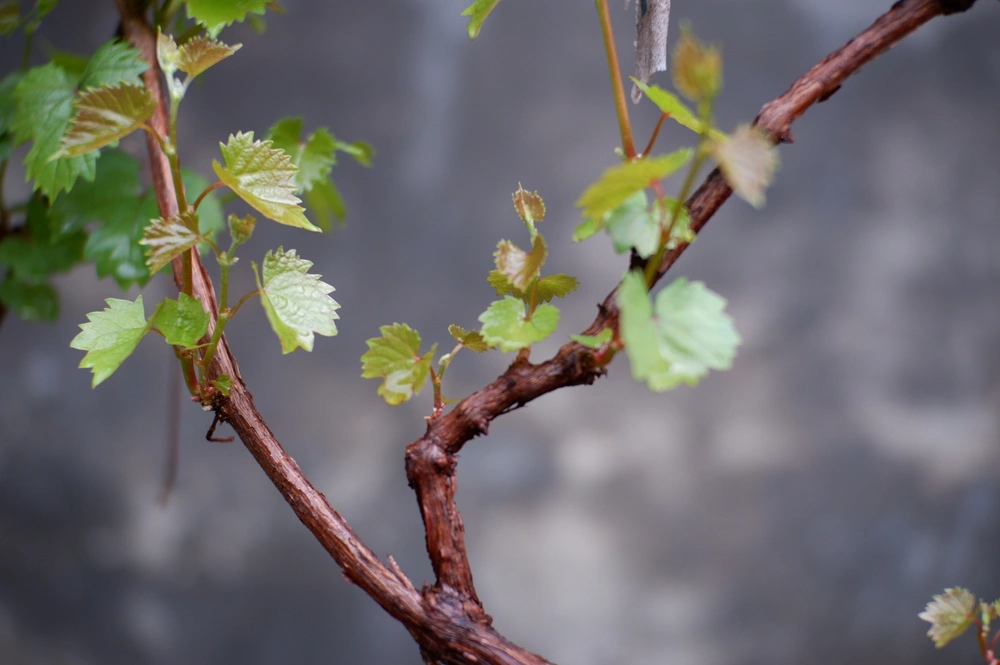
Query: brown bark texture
446	619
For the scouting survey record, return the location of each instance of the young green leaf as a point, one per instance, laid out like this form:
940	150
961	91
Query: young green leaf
32	260
697	70
217	14
949	614
587	228
326	204
396	359
183	321
518	266
263	177
594	341
104	115
114	63
361	151
44	105
620	182
505	324
241	228
470	339
30	302
196	55
169	238
224	384
677	110
529	206
632	225
296	302
111	336
690	334
314	156
477	13
556	286
748	160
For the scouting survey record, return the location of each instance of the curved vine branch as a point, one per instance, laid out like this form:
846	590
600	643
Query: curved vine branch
447	619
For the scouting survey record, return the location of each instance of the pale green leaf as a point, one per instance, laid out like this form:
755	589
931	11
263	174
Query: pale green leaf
111	336
224	384
217	14
196	55
748	160
520	267
104	115
167	239
633	225
396	359
620	182
696	334
183	321
361	151
477	13
949	614
470	339
677	110
556	286
587	228
263	177
114	63
594	341
639	334
505	324
296	302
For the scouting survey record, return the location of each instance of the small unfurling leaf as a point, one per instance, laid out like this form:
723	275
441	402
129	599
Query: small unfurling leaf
396	359
296	302
620	182
949	614
169	238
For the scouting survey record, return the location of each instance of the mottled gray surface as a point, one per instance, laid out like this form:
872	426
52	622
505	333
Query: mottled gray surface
800	508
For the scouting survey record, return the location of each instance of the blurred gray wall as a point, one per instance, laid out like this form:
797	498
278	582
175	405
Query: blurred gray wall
801	508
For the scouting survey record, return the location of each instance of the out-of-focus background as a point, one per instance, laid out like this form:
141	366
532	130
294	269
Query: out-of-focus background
802	507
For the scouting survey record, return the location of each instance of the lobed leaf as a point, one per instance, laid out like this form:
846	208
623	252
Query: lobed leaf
633	225
262	176
506	325
111	336
477	13
520	267
594	341
296	302
104	115
169	238
395	358
620	182
44	104
949	614
217	14
183	321
361	151
470	339
195	56
748	160
313	157
556	286
114	63
326	204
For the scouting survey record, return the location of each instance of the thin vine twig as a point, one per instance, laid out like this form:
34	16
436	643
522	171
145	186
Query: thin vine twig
447	620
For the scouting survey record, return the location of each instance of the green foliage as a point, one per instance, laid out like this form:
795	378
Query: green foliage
114	63
677	110
519	267
111	336
35	253
104	115
169	238
116	200
477	13
697	68
470	339
507	325
10	16
30	302
223	384
594	341
396	359
183	321
748	160
217	14
555	286
263	177
296	302
620	182
44	98
315	156
681	338
529	206
950	614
